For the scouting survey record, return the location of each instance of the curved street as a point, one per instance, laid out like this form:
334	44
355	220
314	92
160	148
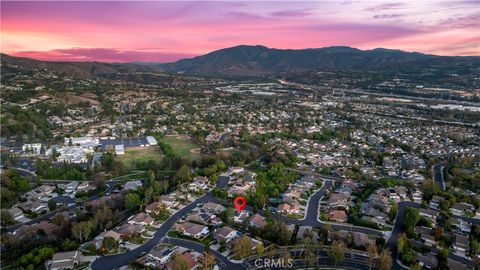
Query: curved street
115	261
311	219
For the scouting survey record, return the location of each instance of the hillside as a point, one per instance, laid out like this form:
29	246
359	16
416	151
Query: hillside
261	61
258	61
75	69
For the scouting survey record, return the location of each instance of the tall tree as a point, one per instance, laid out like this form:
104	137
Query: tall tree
310	258
109	243
179	262
6	218
337	252
207	260
82	230
242	247
411	217
132	201
260	249
52	205
98	180
385	260
183	175
286	256
372	254
393	212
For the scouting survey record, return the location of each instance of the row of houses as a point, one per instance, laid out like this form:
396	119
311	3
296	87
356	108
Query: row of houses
292	199
240	181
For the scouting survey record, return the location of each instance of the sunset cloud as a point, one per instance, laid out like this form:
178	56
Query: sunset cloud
104	55
114	31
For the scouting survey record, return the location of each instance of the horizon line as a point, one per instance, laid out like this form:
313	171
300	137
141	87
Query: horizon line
24	54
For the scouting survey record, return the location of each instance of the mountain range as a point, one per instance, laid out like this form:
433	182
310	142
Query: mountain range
257	61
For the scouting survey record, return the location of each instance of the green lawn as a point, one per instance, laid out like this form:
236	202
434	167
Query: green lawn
133	155
182	146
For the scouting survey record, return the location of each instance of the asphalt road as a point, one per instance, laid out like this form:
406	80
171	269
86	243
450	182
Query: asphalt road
398	229
116	261
438	175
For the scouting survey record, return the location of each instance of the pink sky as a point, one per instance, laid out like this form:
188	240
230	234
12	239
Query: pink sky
164	31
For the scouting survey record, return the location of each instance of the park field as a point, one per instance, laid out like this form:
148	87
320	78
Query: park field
138	154
183	146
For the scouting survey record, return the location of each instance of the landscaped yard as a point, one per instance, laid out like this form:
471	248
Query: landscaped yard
139	154
183	146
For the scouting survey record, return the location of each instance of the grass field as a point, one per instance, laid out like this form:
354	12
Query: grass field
182	145
133	155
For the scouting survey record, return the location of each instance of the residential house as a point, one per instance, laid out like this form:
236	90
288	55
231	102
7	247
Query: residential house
462	225
417	195
291	195
240	217
257	221
98	240
225	234
46	189
283	208
429	213
132	185
376	216
392	194
64	260
377	200
16	213
426	235
193	230
213	208
305	231
427	261
338	216
71	187
205	218
199	183
435	202
235	170
188	258
140	219
338	200
169	200
154	208
127	230
34	206
455	265
401	192
362	240
460	245
85	186
161	255
459	209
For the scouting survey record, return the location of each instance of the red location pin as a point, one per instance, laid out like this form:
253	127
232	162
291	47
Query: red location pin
240	203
